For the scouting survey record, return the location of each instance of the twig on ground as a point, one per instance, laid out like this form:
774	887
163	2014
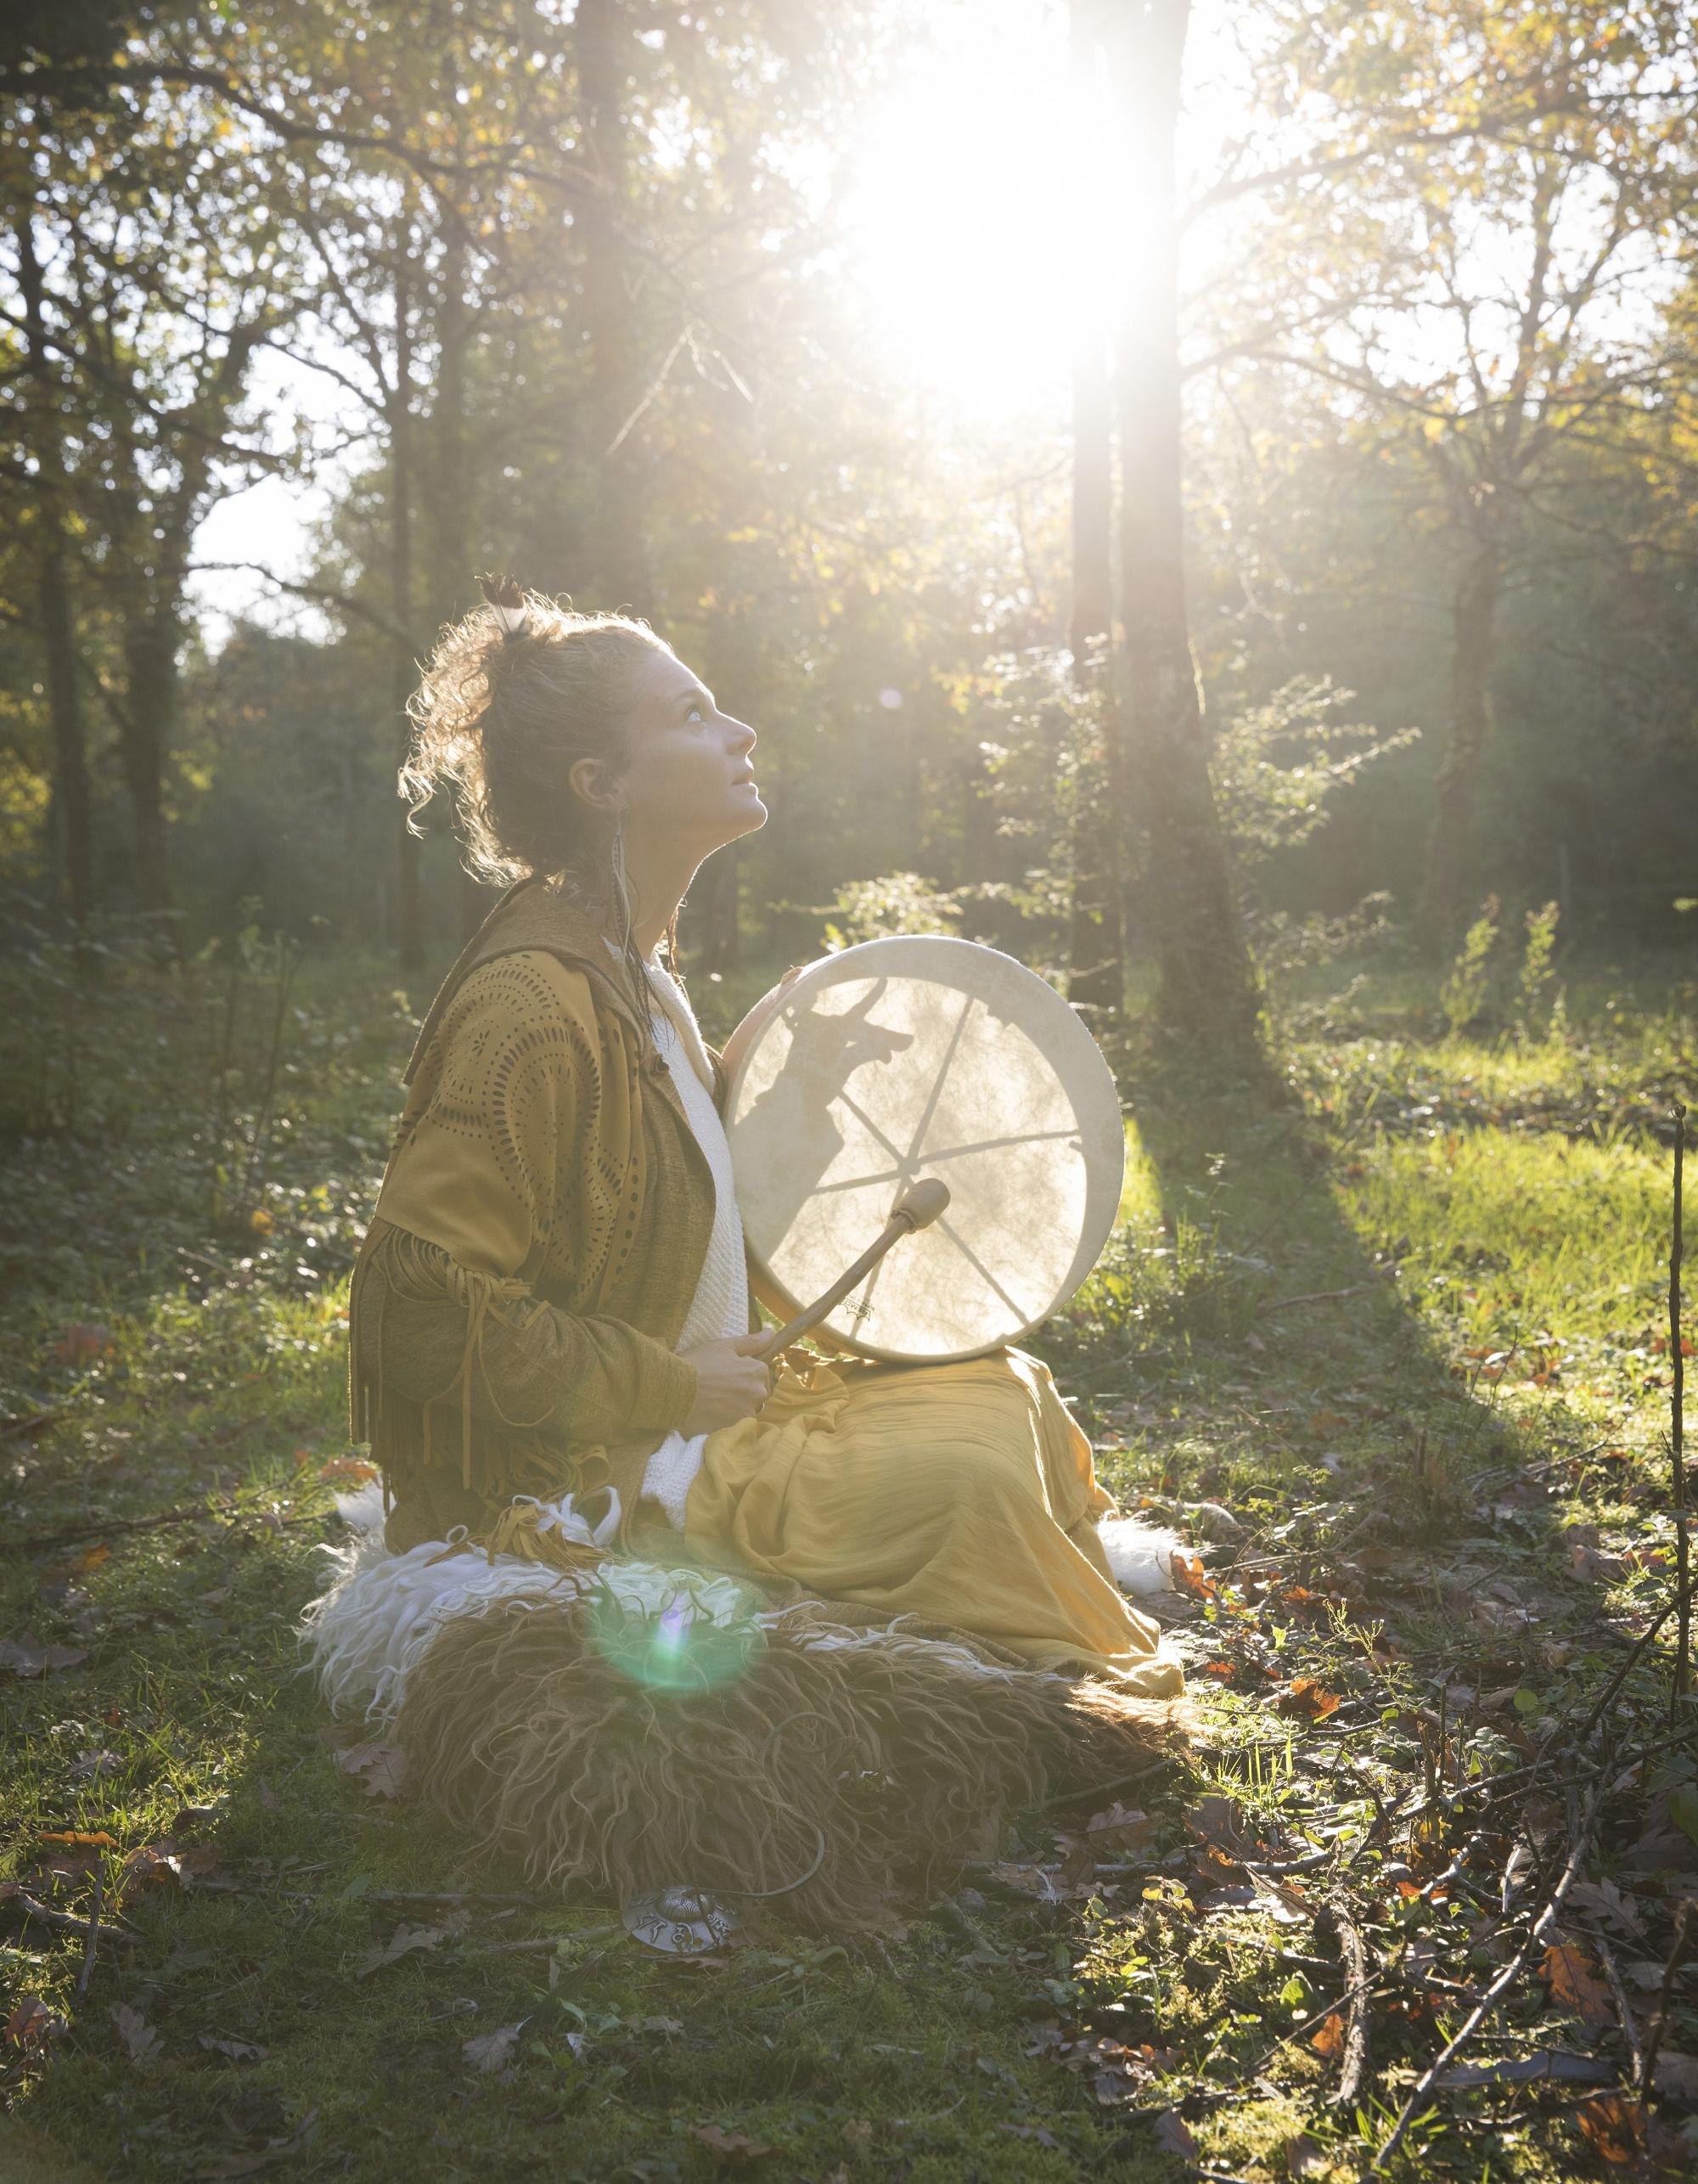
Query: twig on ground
36	1422
549	1941
222	1512
1354	1958
1063	1798
1684	1924
93	1935
1511	1971
1614	1684
1624	2012
34	1912
462	1896
1316	1296
1367	1990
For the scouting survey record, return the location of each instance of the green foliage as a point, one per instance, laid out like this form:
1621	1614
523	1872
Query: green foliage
1043	741
1279	767
1536	1002
1466	992
901	901
1488	987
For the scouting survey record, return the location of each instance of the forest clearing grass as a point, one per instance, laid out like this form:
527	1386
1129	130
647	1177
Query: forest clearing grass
1387	1333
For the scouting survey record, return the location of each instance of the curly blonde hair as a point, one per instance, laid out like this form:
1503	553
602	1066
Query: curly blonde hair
502	719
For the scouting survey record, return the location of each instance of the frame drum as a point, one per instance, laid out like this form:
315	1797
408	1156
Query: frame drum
923	1055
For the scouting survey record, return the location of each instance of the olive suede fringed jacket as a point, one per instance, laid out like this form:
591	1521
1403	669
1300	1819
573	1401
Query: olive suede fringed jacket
536	1244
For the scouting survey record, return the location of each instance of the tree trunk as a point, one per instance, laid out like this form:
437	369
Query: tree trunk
1473	645
72	817
453	520
403	670
622	572
1095	977
151	637
1208	987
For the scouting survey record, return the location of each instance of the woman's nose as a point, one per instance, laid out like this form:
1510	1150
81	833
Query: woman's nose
743	741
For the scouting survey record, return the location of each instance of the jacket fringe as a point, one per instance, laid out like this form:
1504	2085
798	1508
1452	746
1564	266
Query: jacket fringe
398	1430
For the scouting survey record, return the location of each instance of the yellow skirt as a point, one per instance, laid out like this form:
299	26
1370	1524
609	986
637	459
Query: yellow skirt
962	1492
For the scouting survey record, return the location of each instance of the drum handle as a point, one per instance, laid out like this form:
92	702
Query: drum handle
917	1208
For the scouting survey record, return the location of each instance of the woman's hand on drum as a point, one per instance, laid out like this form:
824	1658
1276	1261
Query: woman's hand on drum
732	1383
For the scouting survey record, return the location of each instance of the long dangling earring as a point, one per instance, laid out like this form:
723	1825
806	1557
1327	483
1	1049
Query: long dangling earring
621	893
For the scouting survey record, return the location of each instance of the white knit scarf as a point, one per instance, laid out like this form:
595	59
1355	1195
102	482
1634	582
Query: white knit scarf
720	1307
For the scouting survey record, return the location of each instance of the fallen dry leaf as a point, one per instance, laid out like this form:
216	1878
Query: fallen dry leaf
1030	1880
1664	1841
1121	1831
32	2025
83	1339
237	2051
730	2141
75	1856
491	2051
271	2155
381	1767
1592	1568
1304	1695
1327	2040
350	1471
28	1657
1677	2074
857	2132
1604	1901
402	1943
1573	1980
1614	2127
1118	1832
1217	1820
1302	2157
1173	2137
140	2041
1189	1574
1119	2076
147	1867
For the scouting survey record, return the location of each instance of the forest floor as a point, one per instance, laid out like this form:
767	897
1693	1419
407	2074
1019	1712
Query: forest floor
1387	1335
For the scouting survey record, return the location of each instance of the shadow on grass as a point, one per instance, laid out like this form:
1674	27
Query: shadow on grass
1250	1344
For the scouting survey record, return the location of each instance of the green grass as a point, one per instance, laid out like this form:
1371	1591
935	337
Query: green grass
1397	1309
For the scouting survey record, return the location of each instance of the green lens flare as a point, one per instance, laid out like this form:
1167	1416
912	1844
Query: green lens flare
675	1649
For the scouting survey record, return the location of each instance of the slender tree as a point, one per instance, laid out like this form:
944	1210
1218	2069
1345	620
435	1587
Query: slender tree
1096	973
1208	989
43	425
606	51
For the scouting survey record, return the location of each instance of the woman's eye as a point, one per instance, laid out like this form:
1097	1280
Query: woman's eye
695	714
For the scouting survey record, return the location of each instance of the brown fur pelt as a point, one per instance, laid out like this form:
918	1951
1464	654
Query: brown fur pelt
540	1728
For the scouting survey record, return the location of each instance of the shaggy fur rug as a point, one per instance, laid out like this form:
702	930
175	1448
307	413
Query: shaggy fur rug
634	1728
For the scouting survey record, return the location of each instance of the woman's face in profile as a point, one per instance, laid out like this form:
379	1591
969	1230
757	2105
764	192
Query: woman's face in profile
688	779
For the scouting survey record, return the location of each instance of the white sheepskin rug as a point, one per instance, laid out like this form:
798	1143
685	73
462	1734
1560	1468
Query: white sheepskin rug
1141	1555
370	1629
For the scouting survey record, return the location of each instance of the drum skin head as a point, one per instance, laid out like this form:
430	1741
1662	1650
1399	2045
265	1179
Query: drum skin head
923	1055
